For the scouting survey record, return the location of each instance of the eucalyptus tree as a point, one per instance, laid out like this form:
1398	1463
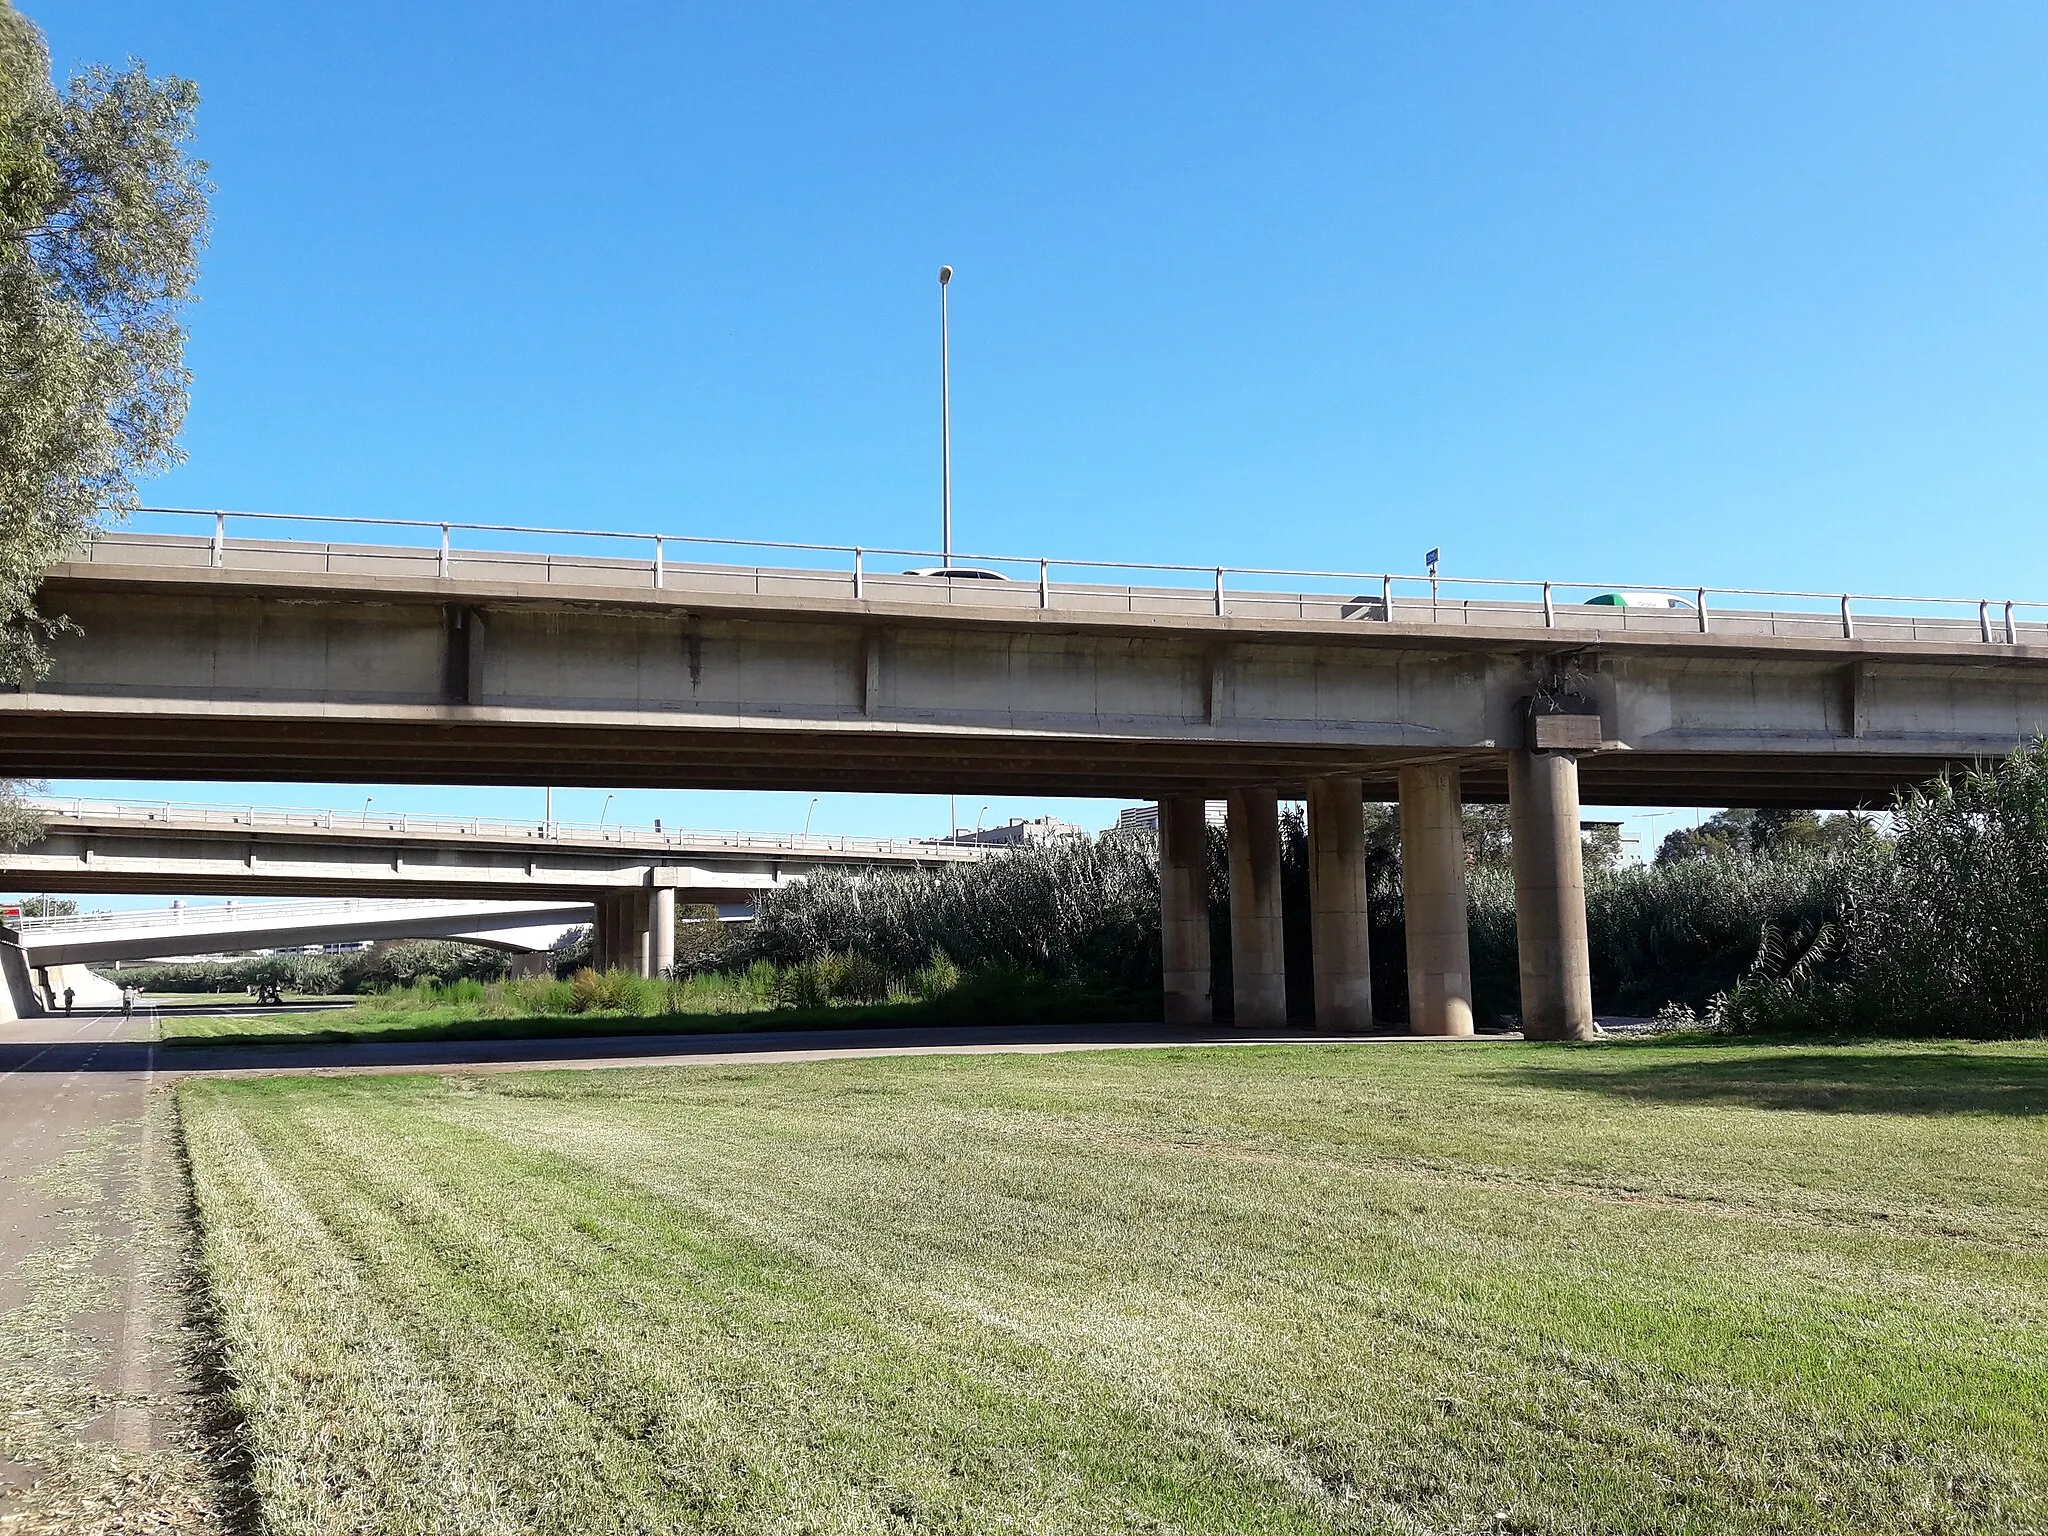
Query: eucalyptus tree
103	212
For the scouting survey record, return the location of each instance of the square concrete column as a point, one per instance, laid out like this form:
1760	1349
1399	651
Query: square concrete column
600	933
618	927
1550	896
1433	897
639	907
1184	909
1258	960
664	929
1336	899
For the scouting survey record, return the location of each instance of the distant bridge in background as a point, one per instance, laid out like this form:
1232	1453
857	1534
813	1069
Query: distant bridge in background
91	938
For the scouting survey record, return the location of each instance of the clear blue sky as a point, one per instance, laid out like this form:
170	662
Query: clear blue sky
1728	294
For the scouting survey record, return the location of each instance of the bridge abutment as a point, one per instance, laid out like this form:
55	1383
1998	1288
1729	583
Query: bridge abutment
1339	934
1184	910
1258	965
1550	896
1433	896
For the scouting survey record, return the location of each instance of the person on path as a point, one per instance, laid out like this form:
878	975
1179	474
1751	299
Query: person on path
127	1002
67	1001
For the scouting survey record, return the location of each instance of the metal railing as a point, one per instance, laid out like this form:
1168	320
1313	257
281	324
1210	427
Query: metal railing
230	915
625	837
847	570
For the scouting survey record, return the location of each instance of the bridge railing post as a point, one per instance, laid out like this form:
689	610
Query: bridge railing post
1044	585
220	539
1549	608
657	562
2012	635
859	578
1703	610
444	552
1848	620
1386	599
1219	591
1984	619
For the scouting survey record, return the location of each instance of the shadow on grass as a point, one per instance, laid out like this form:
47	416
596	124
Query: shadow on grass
1837	1080
967	1005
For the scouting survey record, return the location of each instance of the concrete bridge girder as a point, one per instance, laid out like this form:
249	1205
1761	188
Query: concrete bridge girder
268	674
204	863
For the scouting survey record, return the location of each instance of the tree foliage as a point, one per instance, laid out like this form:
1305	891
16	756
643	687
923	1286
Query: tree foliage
1941	929
102	217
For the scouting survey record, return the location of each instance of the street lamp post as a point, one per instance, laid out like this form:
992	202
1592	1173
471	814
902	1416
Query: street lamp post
945	426
810	813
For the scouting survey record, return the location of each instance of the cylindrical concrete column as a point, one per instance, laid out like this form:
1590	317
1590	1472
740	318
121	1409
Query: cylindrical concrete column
1336	898
1258	960
1184	909
600	933
1550	896
664	929
1433	897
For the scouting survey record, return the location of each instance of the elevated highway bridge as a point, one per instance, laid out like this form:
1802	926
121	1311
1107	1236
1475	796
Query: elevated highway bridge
393	873
225	656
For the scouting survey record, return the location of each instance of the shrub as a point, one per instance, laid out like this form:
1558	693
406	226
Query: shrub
597	991
935	978
1080	910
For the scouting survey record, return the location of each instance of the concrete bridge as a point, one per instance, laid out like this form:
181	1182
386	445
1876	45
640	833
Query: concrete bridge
43	957
631	877
270	658
205	929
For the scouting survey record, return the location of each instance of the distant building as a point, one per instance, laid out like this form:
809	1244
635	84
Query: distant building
1145	818
1019	832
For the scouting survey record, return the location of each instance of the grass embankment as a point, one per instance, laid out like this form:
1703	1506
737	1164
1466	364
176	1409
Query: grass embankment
1425	1288
615	1003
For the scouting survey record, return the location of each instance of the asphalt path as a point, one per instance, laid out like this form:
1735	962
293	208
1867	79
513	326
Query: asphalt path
62	1057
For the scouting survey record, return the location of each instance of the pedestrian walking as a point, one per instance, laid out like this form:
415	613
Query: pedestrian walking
67	1000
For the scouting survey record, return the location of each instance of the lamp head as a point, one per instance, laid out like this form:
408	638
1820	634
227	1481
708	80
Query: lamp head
945	276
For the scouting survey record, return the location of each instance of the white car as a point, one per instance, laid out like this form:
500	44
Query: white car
959	573
1637	600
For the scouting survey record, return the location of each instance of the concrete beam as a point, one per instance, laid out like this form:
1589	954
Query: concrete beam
225	674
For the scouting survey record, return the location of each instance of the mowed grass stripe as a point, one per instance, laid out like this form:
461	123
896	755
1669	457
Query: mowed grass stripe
474	1285
1287	1290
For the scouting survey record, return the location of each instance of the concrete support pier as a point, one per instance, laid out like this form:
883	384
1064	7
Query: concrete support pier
600	933
1258	961
639	907
1433	895
1337	919
1550	896
664	929
1184	909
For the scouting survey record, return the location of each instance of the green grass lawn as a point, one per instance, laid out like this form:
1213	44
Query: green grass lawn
1412	1289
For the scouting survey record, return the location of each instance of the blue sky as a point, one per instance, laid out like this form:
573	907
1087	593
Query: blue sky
1734	294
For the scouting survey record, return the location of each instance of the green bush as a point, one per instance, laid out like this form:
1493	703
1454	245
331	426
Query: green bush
1941	929
1081	911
